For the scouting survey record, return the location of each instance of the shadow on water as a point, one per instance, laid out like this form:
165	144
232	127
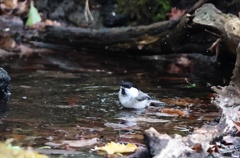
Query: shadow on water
74	97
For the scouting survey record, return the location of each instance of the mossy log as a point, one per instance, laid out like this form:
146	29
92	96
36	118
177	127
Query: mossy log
185	35
178	36
159	38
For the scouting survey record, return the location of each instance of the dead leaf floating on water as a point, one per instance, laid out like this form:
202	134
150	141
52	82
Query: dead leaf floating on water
174	111
119	148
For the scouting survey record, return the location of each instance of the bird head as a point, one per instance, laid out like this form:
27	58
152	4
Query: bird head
127	88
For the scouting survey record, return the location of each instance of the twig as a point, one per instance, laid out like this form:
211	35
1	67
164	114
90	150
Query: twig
87	12
213	33
216	46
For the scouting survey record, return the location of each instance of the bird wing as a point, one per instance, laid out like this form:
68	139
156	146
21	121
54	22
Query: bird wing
142	96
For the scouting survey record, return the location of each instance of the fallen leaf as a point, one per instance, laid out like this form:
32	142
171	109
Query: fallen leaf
213	149
175	13
174	111
33	16
9	151
8	43
191	85
237	125
52	23
72	101
197	147
113	147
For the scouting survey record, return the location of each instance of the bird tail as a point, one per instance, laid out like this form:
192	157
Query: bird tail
156	103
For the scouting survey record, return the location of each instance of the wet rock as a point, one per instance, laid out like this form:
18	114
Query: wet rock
141	152
195	145
4	90
162	145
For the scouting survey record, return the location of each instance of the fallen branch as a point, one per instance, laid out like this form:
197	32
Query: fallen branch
159	38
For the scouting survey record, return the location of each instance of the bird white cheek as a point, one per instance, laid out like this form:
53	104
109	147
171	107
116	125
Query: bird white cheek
133	92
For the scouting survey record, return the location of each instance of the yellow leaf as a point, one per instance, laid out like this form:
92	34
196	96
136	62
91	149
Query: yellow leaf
113	147
9	151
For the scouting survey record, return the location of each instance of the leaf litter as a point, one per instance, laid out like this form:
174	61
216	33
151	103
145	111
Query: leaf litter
9	151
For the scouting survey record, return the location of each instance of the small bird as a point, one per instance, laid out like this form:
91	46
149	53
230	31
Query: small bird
131	97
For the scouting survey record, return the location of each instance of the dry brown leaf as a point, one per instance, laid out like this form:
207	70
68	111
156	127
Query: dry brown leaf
175	13
237	125
174	111
197	147
238	113
213	149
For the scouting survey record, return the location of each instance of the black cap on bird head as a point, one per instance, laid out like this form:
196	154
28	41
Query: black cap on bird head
127	84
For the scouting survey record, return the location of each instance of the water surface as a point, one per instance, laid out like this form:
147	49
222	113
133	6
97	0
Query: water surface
74	97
